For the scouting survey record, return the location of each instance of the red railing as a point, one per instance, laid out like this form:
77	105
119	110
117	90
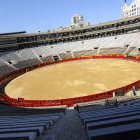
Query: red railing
69	101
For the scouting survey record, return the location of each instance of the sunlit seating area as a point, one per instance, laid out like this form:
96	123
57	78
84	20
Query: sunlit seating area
19	59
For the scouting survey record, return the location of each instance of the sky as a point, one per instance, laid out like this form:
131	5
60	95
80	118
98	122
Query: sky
41	15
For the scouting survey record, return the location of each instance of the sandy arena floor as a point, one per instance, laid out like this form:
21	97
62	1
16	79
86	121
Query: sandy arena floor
74	79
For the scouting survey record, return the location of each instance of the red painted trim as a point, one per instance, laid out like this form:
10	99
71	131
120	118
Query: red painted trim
69	101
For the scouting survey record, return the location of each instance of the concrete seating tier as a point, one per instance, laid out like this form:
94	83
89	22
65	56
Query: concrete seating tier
117	50
121	100
47	59
9	110
65	55
121	122
130	50
85	53
29	126
18	59
27	63
19	136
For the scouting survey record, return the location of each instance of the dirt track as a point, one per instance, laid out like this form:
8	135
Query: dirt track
74	79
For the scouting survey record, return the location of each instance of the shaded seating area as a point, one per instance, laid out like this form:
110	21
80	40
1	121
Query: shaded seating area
102	104
21	111
65	55
116	50
18	136
26	123
113	123
85	53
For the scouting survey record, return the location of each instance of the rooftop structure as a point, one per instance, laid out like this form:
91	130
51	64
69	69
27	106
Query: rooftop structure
77	21
131	10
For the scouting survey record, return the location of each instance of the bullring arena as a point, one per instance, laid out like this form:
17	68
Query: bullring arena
85	80
74	79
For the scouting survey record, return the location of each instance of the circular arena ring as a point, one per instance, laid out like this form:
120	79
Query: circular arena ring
69	97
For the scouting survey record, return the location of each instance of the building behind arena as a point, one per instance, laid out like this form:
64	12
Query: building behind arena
131	10
109	118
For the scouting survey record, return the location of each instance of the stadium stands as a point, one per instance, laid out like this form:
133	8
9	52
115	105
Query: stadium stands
102	121
5	68
111	119
13	60
101	104
26	123
113	122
